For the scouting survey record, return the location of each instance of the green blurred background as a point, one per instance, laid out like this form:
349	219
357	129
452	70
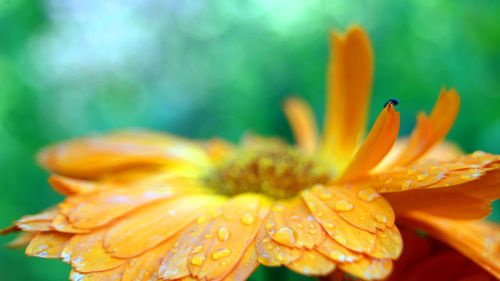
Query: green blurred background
218	68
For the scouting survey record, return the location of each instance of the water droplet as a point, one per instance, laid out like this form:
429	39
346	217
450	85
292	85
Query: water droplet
285	236
325	196
422	176
381	218
396	239
223	234
221	254
405	185
223	263
368	195
201	219
312	231
328	225
340	239
337	255
198	259
343	205
208	236
215	213
282	257
278	208
465	176
412	171
197	249
247	219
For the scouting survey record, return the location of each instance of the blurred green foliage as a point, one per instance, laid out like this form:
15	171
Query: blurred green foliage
218	68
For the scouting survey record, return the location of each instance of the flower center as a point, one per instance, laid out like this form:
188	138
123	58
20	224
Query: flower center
278	173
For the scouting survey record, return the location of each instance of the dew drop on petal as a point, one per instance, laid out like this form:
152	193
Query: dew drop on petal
343	205
337	255
325	196
368	194
223	234
282	257
340	239
328	225
221	254
208	236
198	259
381	218
285	236
422	176
278	208
197	249
396	239
201	219
466	176
247	219
405	185
412	171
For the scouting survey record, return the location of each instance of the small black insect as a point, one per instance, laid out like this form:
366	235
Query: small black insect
394	102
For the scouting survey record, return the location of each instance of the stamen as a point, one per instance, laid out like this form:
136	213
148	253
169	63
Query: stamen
278	172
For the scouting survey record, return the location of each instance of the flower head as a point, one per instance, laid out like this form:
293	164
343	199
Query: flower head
143	205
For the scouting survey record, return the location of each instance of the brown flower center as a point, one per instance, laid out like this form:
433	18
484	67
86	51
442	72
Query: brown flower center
278	172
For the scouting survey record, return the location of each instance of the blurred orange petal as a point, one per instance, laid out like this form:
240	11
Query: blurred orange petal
303	123
350	75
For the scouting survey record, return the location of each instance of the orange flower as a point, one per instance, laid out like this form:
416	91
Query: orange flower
149	206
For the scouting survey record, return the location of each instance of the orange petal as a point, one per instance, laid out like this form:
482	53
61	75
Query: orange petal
344	233
143	229
86	253
175	263
465	200
38	222
368	268
361	207
377	144
61	224
441	152
433	174
218	149
9	230
98	209
48	245
388	244
22	240
336	252
247	264
69	186
92	157
272	253
431	130
290	223
231	233
146	266
350	75
301	119
478	240
114	274
212	246
312	263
